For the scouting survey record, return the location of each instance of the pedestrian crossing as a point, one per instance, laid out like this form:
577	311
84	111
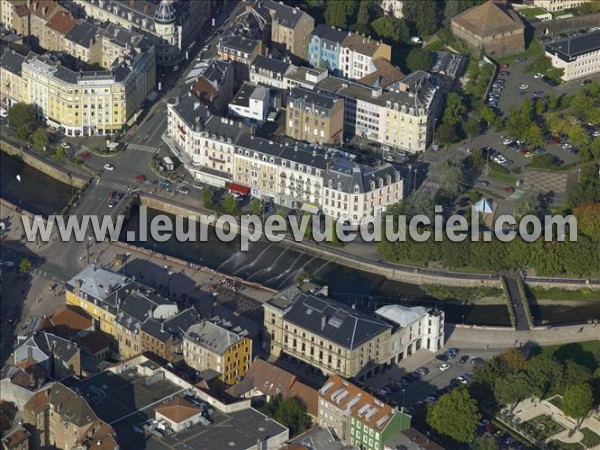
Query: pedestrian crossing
115	185
143	148
432	184
72	152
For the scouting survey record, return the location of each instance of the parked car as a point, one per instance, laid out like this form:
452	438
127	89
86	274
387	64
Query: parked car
140	178
109	167
453	352
523	87
538	75
507	141
483	183
65	145
463	359
442	357
504	73
478	361
183	190
445	366
84	156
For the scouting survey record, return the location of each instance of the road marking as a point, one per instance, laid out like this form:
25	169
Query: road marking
432	184
143	148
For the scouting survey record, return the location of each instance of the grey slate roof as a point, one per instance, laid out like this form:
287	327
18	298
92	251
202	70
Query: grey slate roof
175	326
271	64
330	34
334	321
95	281
570	48
216	70
12	61
248	91
51	345
310	155
352	175
212	337
83	33
322	101
284	14
239	43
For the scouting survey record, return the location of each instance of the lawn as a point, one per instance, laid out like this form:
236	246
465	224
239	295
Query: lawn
531	13
533	51
546	426
557	401
562	294
590	439
583	353
498	174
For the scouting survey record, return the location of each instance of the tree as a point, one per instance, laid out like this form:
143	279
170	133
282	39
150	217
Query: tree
485	442
588	219
256	207
21	117
454	109
423	16
390	28
544	373
472	127
290	412
577	401
337	13
514	360
575	374
207	198
487	115
511	389
25	265
418	59
363	19
445	133
453	177
533	135
230	205
455	415
40	138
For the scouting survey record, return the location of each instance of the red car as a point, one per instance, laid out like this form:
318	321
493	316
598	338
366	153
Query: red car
140	178
509	189
111	194
85	155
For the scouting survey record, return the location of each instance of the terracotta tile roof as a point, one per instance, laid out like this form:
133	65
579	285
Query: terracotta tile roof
16	437
385	75
64	321
61	22
177	410
94	342
203	88
39	6
270	379
361	405
488	19
308	395
21	10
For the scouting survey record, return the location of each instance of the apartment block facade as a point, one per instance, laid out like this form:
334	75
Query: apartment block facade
578	56
326	47
290	27
358	53
207	345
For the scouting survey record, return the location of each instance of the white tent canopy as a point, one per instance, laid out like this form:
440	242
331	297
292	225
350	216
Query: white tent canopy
484	206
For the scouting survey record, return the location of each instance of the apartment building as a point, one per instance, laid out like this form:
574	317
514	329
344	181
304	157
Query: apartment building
214	86
165	337
207	345
358	53
241	51
269	71
578	56
40	12
203	141
315	117
325	334
14	16
56	30
11	86
357	418
352	191
414	328
559	5
290	27
287	174
251	104
59	417
400	118
326	48
170	25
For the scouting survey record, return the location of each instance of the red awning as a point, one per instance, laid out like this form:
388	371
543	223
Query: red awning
239	188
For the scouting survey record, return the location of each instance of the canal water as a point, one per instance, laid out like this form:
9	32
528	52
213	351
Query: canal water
36	192
278	266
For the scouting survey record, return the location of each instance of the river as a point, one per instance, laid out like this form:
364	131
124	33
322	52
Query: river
36	192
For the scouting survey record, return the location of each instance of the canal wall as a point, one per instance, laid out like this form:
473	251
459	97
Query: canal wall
45	165
391	271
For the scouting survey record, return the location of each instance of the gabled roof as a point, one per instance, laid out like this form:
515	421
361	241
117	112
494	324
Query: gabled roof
488	19
570	48
98	282
21	10
329	34
269	378
385	75
94	342
271	64
402	315
287	16
61	22
50	345
365	45
177	410
212	337
65	322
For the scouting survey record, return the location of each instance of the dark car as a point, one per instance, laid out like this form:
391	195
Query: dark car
452	352
463	359
442	357
478	361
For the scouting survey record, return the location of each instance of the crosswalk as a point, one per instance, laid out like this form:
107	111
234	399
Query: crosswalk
72	152
115	185
432	184
143	148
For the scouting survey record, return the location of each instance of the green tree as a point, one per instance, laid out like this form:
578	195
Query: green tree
423	16
418	59
575	374
511	389
472	128
290	412
513	359
230	205
363	18
488	115
485	442
21	117
553	102
545	374
207	198
59	153
453	177
533	135
577	401
446	133
40	138
454	110
25	265
256	207
338	12
390	28
455	415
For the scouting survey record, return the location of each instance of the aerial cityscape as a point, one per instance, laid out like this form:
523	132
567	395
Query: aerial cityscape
300	224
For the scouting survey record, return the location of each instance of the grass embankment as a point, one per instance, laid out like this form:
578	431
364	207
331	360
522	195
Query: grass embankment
583	294
462	294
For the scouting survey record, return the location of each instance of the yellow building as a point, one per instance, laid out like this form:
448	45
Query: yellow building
207	345
11	83
290	27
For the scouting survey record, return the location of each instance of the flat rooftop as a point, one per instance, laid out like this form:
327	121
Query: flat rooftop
113	397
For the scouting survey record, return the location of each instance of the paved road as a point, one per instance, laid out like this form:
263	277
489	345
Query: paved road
518	305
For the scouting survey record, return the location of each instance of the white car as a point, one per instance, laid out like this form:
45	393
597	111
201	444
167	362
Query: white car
507	141
567	146
524	87
109	167
538	75
65	145
596	134
500	159
445	367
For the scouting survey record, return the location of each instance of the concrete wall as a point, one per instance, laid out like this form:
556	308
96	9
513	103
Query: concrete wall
46	166
566	25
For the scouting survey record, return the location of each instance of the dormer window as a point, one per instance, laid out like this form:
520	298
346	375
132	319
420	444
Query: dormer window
340	185
388	179
381	182
330	183
372	184
356	188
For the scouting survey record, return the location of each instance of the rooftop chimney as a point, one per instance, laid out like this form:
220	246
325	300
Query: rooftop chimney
146	8
323	322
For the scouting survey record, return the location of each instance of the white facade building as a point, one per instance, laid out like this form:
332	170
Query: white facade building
251	103
392	7
578	56
416	328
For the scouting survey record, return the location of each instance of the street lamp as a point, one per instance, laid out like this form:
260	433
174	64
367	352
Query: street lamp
402	405
87	247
